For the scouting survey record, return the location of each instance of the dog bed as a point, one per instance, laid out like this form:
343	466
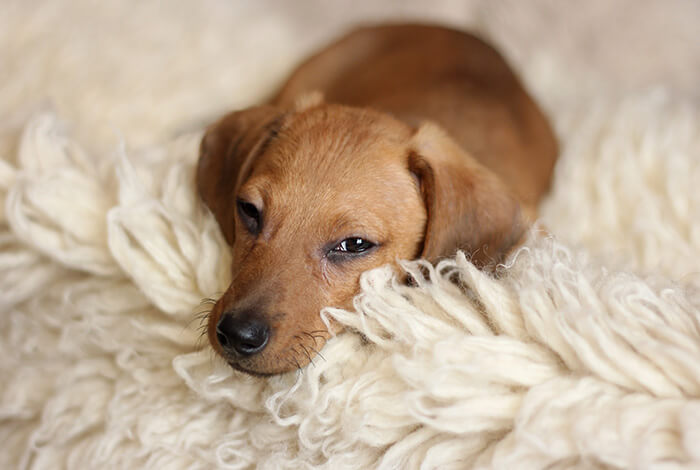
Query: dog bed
582	352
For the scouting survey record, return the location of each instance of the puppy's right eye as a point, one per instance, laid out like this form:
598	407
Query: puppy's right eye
250	216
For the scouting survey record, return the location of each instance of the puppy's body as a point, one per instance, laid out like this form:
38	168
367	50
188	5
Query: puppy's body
425	143
423	73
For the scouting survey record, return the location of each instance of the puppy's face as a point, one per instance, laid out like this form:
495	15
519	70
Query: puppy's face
309	200
327	195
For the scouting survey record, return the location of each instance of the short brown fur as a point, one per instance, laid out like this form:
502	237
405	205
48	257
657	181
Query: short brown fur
424	143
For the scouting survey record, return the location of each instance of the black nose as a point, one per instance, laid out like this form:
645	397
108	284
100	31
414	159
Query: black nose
245	334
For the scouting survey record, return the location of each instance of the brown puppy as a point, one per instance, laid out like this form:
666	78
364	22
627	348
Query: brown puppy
424	143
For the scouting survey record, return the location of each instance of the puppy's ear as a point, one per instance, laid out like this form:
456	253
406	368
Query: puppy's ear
227	152
469	208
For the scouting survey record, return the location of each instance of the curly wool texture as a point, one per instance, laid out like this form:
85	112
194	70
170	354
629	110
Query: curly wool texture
582	353
557	363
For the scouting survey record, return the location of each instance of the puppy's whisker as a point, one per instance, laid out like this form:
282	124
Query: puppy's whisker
315	337
202	334
311	336
294	357
199	314
199	343
317	352
201	322
306	351
320	333
200	318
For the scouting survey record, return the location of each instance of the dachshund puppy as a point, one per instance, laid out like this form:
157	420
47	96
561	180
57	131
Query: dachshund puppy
396	142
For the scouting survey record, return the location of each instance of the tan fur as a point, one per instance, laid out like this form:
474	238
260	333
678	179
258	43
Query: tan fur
417	138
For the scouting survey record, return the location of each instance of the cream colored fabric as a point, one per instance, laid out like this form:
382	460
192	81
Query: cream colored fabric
583	353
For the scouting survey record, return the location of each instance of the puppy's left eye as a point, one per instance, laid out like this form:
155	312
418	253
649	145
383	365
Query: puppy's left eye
353	246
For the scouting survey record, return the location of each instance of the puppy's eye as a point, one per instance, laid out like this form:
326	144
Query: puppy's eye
353	246
250	216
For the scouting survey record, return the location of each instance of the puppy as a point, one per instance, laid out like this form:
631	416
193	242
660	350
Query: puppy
424	143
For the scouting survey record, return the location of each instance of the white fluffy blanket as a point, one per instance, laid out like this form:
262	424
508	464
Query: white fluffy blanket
583	353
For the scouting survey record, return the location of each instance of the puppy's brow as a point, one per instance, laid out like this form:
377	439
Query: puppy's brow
273	131
345	226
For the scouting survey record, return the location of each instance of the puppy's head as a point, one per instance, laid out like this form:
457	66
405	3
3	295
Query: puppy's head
312	197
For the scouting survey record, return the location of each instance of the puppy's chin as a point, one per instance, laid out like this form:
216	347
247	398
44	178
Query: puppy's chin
265	364
254	373
260	370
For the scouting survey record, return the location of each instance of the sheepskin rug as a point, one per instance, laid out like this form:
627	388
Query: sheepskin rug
583	351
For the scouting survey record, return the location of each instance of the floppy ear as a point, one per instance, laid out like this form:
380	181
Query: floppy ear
226	154
469	208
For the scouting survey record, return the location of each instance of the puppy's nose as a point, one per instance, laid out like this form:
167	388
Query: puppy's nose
244	335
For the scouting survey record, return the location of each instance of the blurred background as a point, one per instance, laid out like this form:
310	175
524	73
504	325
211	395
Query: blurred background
143	71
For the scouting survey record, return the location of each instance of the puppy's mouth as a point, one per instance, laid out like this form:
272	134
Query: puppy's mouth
293	358
254	373
257	365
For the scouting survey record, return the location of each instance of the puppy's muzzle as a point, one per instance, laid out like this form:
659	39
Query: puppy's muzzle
242	334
